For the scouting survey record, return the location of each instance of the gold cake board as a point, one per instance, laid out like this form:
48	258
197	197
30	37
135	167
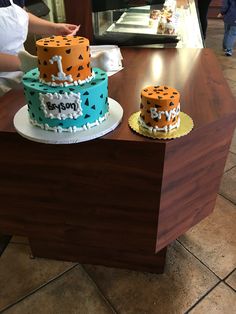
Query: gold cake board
186	125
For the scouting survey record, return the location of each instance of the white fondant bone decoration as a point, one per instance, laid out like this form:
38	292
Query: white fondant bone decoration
155	129
27	61
109	60
61	76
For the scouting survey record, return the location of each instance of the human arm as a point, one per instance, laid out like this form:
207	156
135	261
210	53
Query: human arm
9	63
40	26
225	7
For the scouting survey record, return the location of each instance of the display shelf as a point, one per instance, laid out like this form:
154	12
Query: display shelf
130	26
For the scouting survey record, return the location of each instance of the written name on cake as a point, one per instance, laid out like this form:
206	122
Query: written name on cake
61	106
168	114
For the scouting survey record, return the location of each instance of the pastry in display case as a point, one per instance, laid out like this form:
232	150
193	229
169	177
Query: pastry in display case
165	21
127	24
156	23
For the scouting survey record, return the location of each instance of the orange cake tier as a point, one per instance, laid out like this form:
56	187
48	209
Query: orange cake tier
160	108
64	60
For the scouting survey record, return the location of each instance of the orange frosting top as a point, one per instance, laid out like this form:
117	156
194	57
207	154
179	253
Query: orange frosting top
63	59
62	41
164	96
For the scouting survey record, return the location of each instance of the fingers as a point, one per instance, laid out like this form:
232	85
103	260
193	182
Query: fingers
68	29
72	26
75	30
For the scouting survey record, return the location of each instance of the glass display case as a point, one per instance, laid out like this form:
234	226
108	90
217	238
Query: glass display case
137	22
163	23
127	24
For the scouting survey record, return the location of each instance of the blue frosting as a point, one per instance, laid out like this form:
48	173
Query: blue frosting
93	97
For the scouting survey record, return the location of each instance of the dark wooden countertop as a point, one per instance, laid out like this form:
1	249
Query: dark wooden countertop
196	73
120	199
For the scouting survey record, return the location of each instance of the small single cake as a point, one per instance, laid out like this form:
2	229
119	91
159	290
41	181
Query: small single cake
160	108
64	60
61	94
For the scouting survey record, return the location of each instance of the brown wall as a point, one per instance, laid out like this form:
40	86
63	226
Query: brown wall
214	8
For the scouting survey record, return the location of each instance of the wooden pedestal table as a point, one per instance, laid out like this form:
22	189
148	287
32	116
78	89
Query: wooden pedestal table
119	200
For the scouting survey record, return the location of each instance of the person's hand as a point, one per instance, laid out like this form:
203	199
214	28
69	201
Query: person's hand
65	29
219	15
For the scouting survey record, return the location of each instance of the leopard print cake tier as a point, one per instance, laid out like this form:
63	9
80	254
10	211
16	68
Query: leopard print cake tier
64	60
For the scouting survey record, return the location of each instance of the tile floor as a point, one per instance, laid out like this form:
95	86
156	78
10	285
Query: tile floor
200	275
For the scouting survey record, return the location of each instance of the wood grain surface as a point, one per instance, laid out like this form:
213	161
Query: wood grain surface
196	73
121	199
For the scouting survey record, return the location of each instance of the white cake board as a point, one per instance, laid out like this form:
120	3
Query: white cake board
36	134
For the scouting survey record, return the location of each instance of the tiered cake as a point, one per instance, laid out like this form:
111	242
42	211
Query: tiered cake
64	93
160	108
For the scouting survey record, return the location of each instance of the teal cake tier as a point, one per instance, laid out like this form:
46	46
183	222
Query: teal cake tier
68	108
